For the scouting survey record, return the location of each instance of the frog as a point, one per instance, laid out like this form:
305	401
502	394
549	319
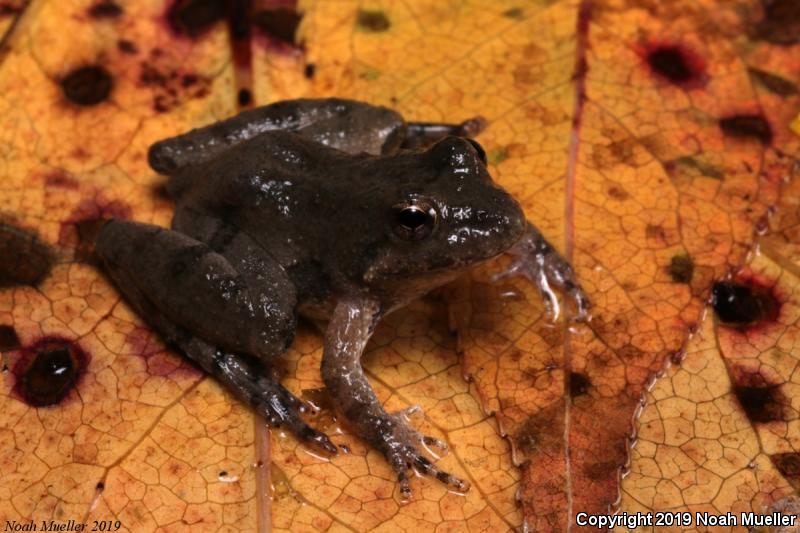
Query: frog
336	210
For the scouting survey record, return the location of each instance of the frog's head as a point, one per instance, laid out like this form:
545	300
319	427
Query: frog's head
443	214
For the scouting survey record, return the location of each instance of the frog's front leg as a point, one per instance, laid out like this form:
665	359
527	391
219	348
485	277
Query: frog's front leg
537	260
349	330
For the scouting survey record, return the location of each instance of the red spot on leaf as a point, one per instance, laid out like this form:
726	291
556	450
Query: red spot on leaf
48	370
745	302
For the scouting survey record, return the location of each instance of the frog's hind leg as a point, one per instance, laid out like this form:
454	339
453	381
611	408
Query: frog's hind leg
186	291
244	305
348	125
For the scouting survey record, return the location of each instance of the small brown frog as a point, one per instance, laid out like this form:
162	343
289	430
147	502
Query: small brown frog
333	209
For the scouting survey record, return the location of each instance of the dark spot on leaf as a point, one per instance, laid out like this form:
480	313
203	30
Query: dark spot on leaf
279	24
670	62
789	466
578	384
26	260
193	17
676	64
693	165
781	22
245	97
310	70
48	369
542	432
600	471
515	13
773	83
761	400
187	80
655	231
740	304
60	179
8	338
681	268
100	485
105	9
372	20
618	193
127	47
171	85
223	474
87	86
747	127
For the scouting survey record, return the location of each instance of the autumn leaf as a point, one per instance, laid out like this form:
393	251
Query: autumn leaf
648	141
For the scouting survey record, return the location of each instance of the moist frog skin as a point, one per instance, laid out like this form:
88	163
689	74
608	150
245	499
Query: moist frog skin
332	209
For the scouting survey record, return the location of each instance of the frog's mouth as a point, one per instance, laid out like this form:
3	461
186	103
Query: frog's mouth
435	272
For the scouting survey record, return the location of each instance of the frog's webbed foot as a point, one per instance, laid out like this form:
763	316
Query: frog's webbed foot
538	261
402	441
347	335
399	442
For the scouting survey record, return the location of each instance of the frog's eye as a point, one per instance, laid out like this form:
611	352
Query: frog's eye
479	149
414	220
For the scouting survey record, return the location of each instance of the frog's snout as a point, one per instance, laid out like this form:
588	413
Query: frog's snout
513	221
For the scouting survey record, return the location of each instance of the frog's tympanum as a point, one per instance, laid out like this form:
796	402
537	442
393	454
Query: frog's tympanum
332	209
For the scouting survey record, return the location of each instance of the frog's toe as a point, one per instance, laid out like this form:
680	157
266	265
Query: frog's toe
259	384
283	409
528	268
405	458
581	302
403	418
472	126
403	454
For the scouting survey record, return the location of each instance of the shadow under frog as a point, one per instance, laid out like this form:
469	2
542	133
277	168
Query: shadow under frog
329	208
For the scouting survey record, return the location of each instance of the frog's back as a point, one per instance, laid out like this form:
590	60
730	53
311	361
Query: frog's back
291	195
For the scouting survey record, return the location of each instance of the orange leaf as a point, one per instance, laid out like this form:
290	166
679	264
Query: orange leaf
647	140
